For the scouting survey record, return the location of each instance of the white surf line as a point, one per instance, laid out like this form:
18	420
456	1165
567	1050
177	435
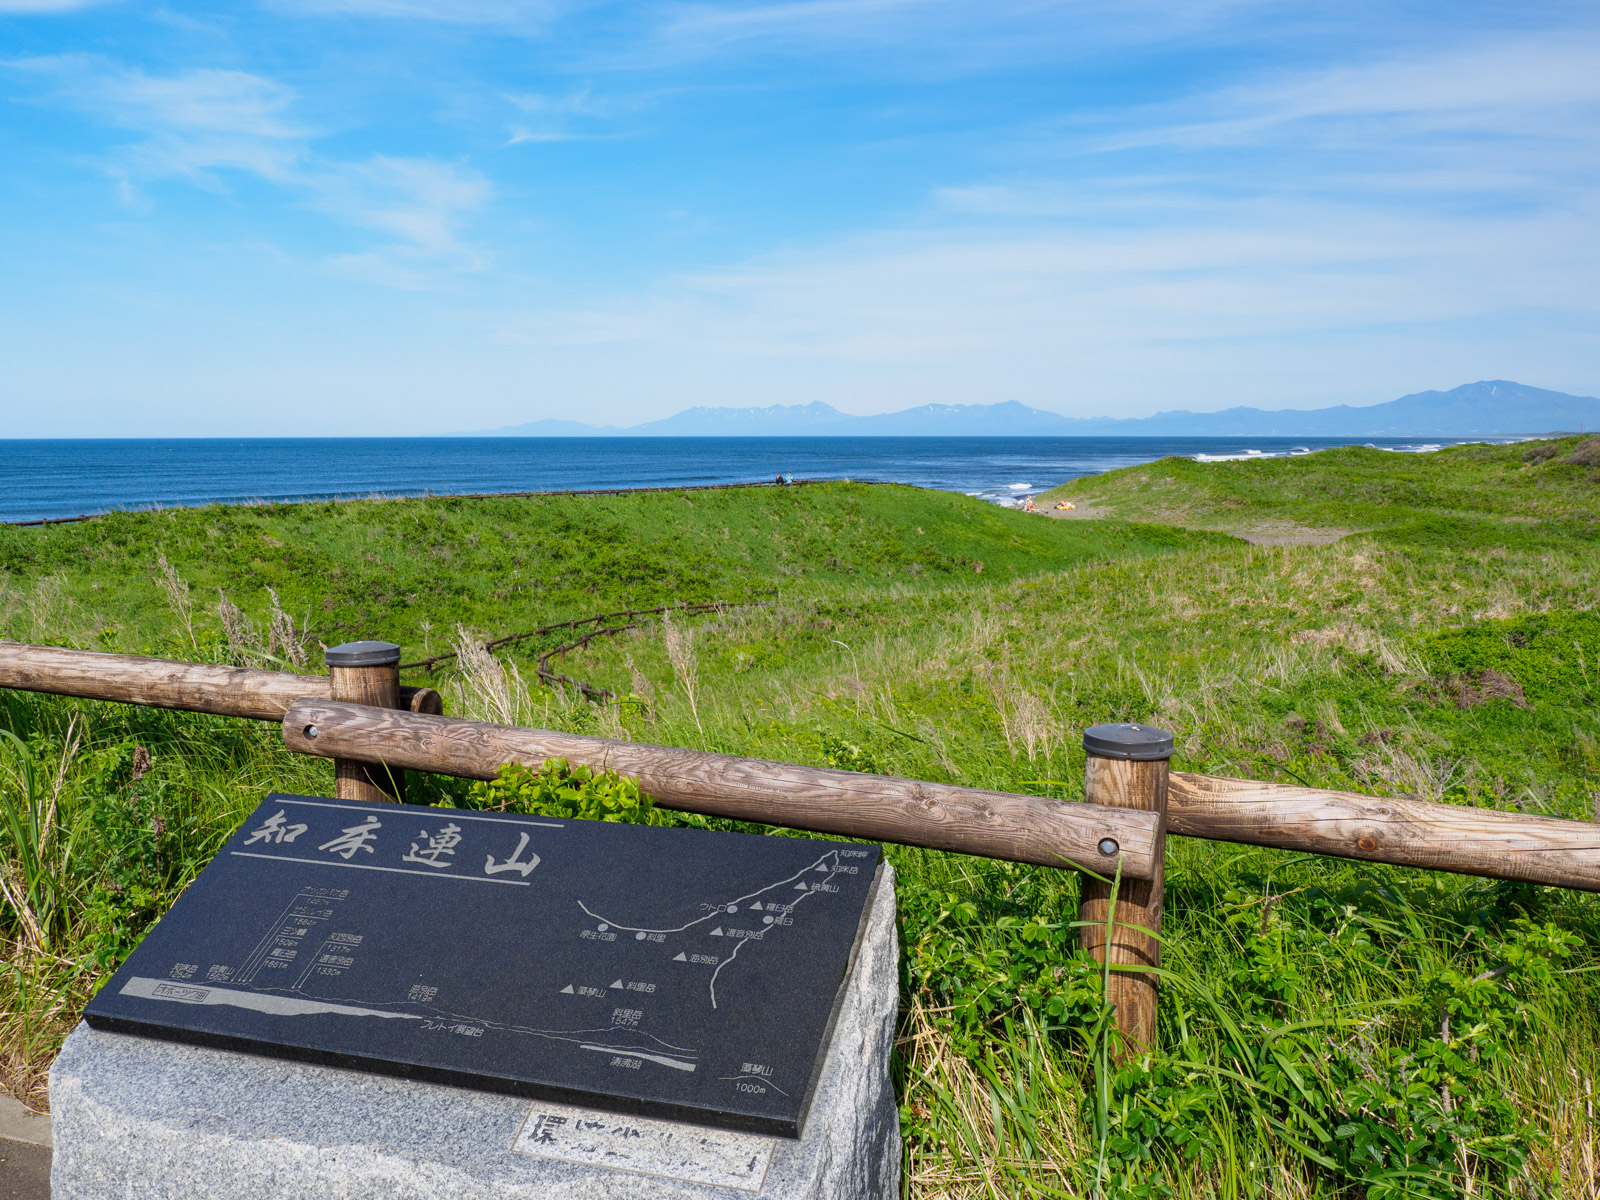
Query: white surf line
721	910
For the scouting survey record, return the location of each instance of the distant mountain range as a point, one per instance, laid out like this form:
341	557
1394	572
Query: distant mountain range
1491	408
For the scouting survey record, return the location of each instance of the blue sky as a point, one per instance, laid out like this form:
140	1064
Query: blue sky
419	216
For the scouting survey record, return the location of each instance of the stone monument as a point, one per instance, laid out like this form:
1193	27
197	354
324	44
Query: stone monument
362	999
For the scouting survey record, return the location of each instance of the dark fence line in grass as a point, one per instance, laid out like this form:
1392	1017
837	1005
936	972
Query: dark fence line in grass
374	730
682	487
590	691
693	608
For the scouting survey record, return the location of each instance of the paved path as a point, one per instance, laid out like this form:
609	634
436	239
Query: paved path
24	1152
24	1171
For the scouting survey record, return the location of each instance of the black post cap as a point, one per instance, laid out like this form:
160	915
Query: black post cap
1135	743
363	654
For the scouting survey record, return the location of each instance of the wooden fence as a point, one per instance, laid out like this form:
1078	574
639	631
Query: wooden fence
374	729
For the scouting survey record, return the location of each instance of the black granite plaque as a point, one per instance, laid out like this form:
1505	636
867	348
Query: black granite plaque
666	972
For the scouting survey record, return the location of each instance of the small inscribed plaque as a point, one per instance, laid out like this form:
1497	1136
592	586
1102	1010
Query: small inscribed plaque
690	1153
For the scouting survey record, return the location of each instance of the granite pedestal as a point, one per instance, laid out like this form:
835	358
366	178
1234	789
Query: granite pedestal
140	1119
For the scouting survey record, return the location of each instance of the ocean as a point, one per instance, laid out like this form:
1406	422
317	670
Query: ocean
42	479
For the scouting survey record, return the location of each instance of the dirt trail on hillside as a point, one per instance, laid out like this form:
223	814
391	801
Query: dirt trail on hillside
1261	533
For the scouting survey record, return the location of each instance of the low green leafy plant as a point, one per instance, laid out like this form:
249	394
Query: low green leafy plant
557	789
844	755
1552	656
982	966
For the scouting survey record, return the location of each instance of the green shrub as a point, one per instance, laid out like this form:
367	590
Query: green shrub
559	790
1554	656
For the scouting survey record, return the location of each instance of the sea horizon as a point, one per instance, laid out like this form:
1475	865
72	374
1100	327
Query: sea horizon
55	478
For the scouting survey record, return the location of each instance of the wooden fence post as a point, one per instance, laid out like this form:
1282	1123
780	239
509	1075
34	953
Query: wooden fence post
365	673
1127	768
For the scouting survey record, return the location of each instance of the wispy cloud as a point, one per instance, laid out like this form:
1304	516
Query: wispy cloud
1507	86
580	102
530	15
935	33
189	123
930	36
416	201
1467	126
1211	258
1484	83
1085	204
1093	321
45	7
567	117
792	18
203	123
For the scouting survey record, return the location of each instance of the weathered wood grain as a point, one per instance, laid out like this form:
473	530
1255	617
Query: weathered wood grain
421	700
969	820
161	683
1411	833
198	687
378	687
1140	786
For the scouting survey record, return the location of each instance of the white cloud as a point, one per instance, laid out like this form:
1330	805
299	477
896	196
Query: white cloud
1295	239
581	101
1504	87
528	13
47	6
1396	221
201	123
553	117
1209	307
788	19
191	122
200	100
521	136
385	268
929	37
418	203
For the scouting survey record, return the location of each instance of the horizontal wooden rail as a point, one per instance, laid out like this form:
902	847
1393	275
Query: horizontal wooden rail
1407	833
1403	832
160	683
1032	829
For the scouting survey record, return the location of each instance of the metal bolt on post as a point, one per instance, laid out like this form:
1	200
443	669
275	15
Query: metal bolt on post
1127	768
365	673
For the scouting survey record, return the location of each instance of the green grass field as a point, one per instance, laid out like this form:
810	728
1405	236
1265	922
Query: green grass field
1328	1028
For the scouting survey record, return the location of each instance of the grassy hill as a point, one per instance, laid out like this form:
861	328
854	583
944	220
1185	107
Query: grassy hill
408	571
1328	1028
1477	495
